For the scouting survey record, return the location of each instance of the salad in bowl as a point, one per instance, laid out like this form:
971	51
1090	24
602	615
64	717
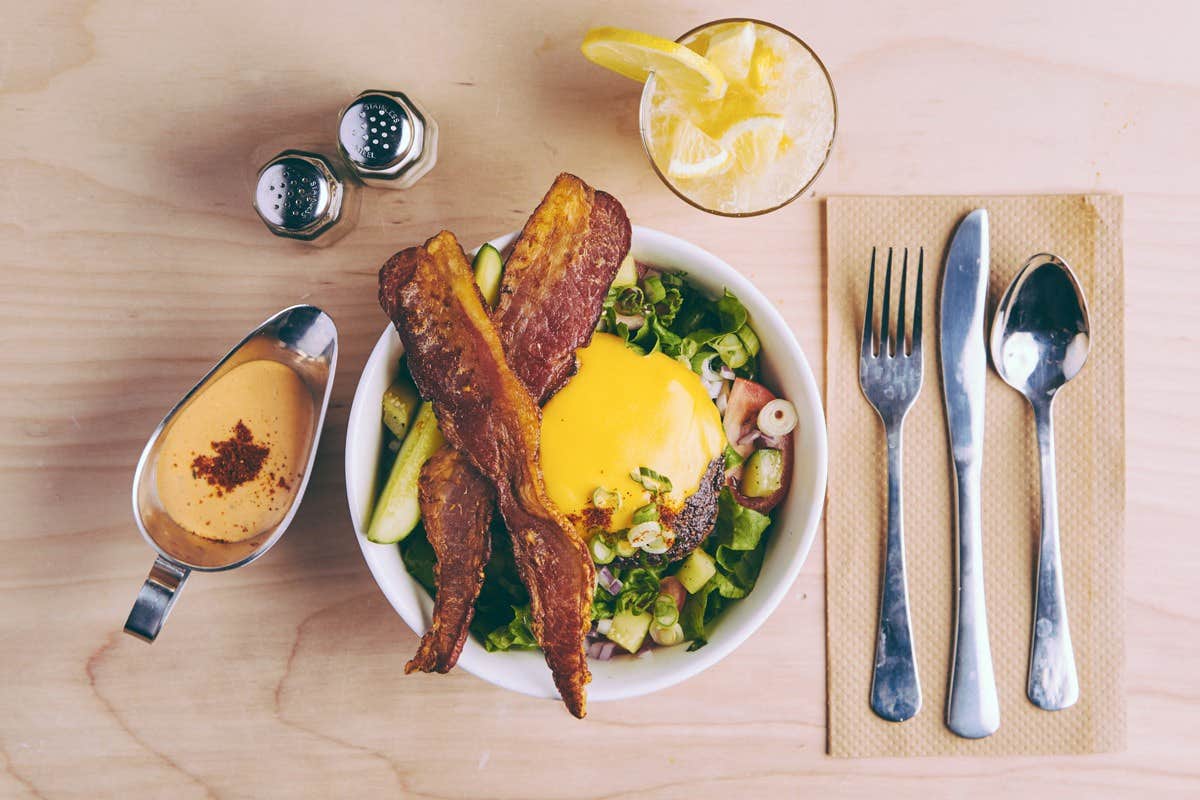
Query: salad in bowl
678	457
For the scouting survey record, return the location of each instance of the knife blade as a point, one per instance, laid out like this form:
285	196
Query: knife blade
972	708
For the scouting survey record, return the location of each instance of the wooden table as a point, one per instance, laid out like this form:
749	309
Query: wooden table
132	259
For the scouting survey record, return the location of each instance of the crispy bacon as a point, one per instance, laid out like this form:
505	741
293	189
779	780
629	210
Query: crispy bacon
457	361
551	296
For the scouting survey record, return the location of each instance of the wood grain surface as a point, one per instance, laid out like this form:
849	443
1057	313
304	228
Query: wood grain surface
130	259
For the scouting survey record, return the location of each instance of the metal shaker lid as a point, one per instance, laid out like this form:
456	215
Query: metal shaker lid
298	194
387	138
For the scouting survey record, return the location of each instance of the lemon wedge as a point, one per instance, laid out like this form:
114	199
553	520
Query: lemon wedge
636	55
695	154
731	48
754	141
766	67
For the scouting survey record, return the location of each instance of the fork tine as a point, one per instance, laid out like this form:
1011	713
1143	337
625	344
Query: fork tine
885	342
916	331
868	348
900	350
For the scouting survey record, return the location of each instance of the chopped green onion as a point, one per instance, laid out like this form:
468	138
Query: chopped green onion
732	457
647	513
731	350
644	533
650	480
602	553
655	291
666	613
624	548
603	498
668	635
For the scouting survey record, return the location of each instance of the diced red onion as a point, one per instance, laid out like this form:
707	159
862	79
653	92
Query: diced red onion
594	649
610	583
606	651
727	373
750	437
713	387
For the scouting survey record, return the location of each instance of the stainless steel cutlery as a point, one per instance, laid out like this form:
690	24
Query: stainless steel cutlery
1040	340
972	708
890	373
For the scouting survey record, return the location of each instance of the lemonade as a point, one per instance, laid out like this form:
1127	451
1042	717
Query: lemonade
738	117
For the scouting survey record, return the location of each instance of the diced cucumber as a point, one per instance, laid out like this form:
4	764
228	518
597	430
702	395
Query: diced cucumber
400	403
488	266
398	510
763	473
696	570
629	630
627	274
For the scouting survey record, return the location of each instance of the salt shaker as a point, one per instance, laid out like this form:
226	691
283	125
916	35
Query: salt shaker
300	196
387	139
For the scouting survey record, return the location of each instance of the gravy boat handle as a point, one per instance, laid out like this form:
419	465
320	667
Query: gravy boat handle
156	598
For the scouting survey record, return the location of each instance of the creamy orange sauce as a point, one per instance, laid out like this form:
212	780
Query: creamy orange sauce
272	402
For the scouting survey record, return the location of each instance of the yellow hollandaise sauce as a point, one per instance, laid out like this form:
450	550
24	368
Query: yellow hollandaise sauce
231	462
622	411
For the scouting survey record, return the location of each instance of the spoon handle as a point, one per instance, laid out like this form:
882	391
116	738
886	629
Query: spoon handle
895	688
1053	682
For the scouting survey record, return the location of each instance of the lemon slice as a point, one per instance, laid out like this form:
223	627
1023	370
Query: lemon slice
766	67
636	55
754	141
731	48
695	154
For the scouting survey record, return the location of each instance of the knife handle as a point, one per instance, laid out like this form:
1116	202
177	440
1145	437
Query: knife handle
972	708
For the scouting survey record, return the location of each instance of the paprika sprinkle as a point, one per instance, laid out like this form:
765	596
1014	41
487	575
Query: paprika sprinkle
238	459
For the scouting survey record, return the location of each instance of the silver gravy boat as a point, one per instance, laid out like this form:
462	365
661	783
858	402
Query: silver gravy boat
301	337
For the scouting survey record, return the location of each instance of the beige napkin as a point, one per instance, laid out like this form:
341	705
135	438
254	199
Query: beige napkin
1085	230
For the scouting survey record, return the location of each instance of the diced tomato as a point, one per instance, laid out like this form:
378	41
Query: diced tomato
672	586
746	399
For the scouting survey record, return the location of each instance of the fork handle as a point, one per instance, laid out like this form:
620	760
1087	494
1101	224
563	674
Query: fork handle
895	688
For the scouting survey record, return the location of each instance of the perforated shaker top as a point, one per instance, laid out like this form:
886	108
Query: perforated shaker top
376	131
292	194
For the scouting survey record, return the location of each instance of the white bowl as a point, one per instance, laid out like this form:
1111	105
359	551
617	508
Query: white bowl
784	370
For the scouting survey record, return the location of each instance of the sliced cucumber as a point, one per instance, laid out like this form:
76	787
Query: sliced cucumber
488	266
627	274
398	510
400	403
629	630
696	570
763	473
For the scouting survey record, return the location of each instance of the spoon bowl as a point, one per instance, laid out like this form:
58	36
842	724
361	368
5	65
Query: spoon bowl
302	338
1041	333
1040	340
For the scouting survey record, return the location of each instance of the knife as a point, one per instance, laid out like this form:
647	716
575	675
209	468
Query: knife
972	709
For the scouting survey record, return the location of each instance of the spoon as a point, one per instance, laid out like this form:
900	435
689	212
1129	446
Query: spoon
301	337
1040	340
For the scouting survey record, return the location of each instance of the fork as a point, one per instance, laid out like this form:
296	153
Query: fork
891	380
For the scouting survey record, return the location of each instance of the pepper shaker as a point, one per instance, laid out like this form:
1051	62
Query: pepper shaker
387	139
300	196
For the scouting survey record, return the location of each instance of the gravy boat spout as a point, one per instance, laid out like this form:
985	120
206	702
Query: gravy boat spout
302	338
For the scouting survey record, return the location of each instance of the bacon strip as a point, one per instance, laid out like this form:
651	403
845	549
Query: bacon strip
486	413
551	297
